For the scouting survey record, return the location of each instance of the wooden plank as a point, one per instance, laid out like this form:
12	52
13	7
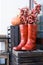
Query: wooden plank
3	37
35	53
38	63
27	59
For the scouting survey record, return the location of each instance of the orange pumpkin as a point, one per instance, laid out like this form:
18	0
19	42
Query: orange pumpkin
16	21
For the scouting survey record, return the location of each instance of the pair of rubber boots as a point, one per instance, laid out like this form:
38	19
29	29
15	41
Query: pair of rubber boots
28	33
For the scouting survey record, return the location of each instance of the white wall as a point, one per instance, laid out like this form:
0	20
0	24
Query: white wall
8	10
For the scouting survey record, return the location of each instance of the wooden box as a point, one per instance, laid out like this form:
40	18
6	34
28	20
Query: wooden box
27	57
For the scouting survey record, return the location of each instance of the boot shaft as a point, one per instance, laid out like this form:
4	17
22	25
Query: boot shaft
32	31
23	31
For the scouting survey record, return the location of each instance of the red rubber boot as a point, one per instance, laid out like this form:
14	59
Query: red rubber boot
31	42
24	34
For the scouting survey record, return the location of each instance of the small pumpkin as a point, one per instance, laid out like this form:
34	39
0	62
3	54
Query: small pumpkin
16	21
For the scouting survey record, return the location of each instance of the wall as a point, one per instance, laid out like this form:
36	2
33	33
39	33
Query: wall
8	10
